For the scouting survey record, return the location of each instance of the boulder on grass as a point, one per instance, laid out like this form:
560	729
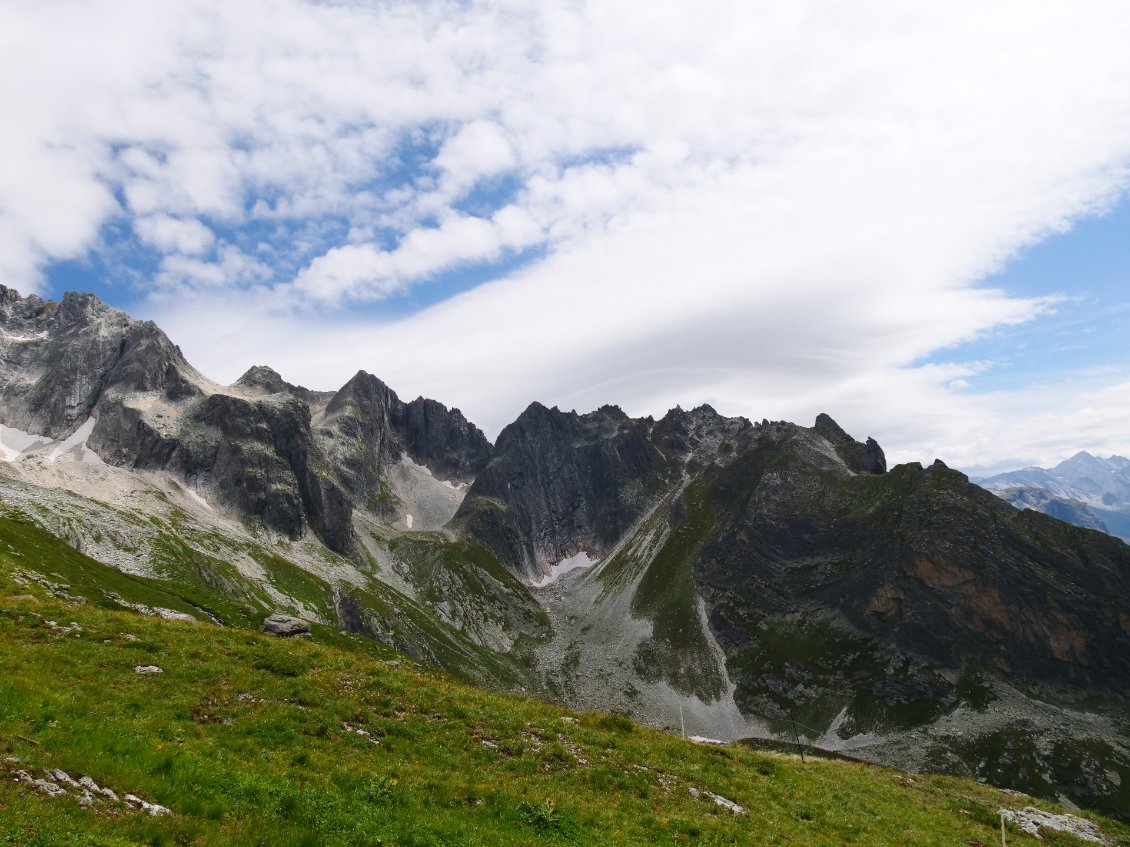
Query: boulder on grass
285	626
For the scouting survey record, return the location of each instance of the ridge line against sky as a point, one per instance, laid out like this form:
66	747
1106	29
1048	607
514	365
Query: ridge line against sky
910	216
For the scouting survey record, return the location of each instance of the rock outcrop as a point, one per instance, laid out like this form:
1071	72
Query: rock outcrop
862	458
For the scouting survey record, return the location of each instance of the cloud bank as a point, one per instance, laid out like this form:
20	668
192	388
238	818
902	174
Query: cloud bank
775	208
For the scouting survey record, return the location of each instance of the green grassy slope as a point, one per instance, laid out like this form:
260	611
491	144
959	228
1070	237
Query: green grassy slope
251	740
193	571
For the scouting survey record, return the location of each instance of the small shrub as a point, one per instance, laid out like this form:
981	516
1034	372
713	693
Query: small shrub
380	790
542	817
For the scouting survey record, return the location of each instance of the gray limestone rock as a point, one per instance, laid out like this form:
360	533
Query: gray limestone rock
260	378
284	626
561	483
255	449
365	427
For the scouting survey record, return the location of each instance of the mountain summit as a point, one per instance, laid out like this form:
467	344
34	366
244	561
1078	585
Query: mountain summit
1084	490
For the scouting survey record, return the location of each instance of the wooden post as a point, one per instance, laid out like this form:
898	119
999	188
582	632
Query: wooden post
1004	843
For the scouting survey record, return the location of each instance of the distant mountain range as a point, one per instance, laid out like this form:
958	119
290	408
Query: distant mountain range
735	578
1084	490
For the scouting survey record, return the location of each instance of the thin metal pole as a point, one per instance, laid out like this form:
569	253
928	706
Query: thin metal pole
682	726
796	736
1003	842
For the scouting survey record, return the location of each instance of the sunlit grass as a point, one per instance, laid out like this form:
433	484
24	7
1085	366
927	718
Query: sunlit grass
251	740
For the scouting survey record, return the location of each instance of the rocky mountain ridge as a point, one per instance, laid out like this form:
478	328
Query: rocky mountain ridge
1084	490
281	455
727	575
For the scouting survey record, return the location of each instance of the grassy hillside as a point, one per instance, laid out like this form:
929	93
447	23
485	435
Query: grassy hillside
336	740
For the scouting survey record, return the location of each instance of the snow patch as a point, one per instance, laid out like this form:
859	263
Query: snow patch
74	446
196	497
408	520
580	560
15	443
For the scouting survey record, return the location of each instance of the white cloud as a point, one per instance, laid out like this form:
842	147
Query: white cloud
180	275
174	235
365	271
782	208
479	149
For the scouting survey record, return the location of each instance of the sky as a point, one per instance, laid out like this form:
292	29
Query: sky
913	216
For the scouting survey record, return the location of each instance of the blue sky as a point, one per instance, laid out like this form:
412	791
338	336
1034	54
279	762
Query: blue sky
1088	268
777	209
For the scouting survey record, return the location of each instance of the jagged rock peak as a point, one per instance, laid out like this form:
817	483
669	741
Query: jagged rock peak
365	393
10	295
442	439
59	360
264	378
74	308
865	457
268	381
567	483
539	422
77	307
369	414
682	431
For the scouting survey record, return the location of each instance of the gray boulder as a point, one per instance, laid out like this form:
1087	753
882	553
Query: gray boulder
285	626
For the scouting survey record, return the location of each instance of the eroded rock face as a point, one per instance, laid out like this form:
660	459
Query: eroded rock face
442	439
880	602
262	379
365	427
59	360
919	562
562	482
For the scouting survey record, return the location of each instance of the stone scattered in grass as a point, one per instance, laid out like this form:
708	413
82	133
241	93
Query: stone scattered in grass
1032	821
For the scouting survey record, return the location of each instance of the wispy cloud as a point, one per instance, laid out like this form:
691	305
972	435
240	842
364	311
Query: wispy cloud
775	207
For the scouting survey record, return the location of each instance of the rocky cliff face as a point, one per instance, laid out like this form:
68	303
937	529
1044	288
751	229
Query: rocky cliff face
365	427
561	483
928	569
275	454
59	360
861	458
759	573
